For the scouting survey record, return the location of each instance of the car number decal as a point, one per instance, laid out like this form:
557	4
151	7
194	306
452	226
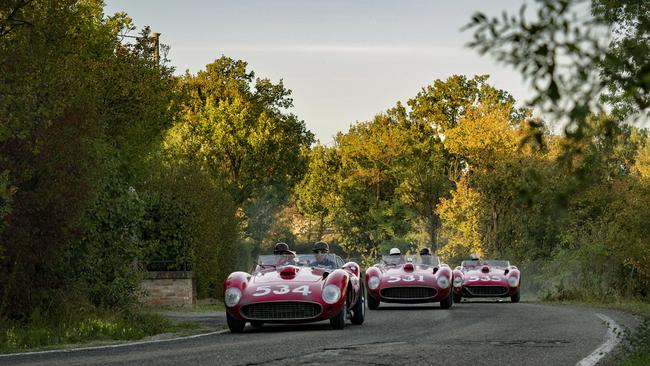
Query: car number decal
485	278
408	278
281	290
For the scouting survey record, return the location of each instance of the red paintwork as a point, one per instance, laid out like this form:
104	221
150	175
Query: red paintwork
485	275
294	277
424	277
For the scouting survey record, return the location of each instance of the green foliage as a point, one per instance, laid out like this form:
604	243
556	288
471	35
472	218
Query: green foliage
191	220
79	325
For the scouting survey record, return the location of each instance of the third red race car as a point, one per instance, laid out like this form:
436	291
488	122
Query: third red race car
409	279
486	278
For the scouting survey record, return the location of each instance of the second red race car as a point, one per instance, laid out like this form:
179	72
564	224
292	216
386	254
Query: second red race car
409	279
293	288
486	278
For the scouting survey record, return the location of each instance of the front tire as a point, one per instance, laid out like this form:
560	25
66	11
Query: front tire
359	309
447	302
457	298
338	321
235	325
515	297
373	304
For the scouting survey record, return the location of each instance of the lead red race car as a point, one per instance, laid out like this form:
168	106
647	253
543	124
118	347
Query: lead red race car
409	279
486	278
292	288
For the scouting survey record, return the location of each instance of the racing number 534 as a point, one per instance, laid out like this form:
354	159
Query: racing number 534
408	278
281	290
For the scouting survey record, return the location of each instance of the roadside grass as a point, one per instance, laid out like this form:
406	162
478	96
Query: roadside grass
206	306
87	328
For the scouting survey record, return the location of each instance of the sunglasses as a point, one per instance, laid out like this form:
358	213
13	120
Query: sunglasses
320	251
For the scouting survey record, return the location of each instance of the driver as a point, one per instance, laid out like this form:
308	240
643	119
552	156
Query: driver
425	255
285	256
321	249
474	260
395	256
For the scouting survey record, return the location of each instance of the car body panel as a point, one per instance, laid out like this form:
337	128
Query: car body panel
487	278
409	282
292	293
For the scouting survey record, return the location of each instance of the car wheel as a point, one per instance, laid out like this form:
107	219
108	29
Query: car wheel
257	324
515	297
447	302
373	303
457	298
235	325
359	309
338	321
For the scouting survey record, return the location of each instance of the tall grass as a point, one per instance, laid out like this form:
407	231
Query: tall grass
84	325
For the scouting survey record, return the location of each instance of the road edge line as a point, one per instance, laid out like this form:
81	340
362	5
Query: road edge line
69	350
610	342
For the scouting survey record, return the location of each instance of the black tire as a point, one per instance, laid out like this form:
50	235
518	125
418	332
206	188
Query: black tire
447	302
235	325
457	298
515	297
373	304
359	309
257	324
338	321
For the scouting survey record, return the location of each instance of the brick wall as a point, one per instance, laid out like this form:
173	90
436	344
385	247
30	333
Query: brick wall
173	288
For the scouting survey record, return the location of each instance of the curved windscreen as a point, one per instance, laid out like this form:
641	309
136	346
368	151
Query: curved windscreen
470	264
425	260
324	260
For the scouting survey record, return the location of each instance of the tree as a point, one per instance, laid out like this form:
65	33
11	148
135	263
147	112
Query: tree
235	127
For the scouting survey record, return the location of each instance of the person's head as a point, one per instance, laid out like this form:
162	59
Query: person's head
394	251
425	251
474	257
280	248
320	250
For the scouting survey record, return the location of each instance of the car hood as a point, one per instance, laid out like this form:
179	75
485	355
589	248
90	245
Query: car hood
494	276
302	274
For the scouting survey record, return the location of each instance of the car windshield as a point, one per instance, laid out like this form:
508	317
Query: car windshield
488	262
497	263
324	260
424	260
470	264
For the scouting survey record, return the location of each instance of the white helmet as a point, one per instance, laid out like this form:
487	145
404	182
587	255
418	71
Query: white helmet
394	251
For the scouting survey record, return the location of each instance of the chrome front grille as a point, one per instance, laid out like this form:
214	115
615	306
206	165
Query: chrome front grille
406	293
486	290
281	310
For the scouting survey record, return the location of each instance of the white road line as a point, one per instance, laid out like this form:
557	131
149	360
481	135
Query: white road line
113	345
611	340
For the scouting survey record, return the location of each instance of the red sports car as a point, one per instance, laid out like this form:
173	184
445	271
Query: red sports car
409	279
295	289
486	278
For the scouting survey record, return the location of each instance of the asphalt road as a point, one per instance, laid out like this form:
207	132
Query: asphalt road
477	333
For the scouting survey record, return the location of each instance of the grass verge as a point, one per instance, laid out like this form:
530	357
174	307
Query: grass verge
85	327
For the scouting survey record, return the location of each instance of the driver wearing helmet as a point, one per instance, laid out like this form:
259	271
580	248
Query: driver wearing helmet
425	256
284	255
321	250
395	256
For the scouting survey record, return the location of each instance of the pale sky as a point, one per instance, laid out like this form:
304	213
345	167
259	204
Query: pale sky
344	60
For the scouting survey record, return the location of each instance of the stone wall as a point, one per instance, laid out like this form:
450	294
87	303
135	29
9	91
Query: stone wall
173	288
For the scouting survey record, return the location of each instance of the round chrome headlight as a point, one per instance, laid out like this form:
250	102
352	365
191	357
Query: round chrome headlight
232	296
513	281
373	282
331	294
458	281
443	282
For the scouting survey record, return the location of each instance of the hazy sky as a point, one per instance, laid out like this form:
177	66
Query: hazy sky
344	60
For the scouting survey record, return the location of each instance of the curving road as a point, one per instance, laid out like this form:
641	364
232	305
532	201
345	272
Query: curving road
477	333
